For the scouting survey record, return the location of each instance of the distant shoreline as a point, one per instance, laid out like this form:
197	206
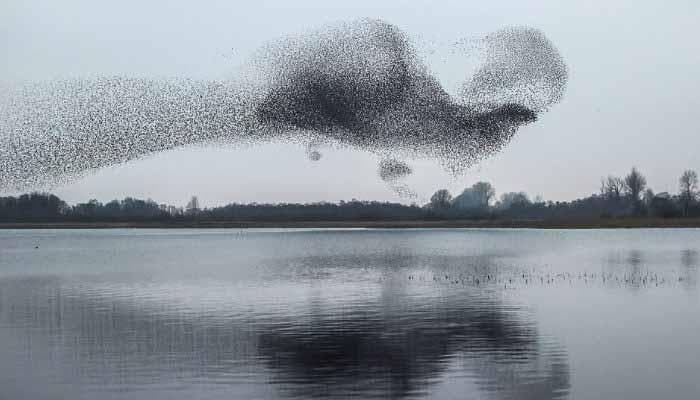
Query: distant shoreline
613	223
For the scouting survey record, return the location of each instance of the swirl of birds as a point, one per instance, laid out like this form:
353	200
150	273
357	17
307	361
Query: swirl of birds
358	84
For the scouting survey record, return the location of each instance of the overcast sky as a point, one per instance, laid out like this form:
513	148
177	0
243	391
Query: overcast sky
631	100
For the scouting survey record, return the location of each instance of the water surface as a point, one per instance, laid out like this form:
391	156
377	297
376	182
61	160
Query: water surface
425	313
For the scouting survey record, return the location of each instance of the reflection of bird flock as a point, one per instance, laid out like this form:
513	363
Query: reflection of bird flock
358	84
375	349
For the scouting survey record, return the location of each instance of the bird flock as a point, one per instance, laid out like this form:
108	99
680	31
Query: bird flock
358	84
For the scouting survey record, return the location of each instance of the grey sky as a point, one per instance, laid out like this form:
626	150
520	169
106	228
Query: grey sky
631	98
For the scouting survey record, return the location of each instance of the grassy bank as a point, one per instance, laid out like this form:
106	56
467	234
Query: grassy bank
536	224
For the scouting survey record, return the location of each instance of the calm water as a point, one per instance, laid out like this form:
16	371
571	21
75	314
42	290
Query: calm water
205	314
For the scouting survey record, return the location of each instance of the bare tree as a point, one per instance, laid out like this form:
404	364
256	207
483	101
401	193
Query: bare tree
603	187
441	199
613	187
688	184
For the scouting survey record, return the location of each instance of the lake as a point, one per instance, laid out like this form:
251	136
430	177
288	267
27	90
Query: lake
298	314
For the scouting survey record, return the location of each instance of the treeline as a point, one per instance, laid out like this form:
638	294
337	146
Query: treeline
48	207
619	197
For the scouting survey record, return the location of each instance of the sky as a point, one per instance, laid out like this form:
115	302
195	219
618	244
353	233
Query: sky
631	99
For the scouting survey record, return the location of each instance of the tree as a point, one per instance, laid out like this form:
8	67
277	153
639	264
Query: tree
514	199
688	184
478	196
648	197
32	206
484	192
635	183
441	199
192	207
612	187
603	188
662	205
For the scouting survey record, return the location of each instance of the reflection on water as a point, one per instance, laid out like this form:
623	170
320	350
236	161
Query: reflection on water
377	314
384	347
689	260
398	353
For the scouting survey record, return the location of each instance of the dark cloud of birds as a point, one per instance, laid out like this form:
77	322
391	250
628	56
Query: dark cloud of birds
359	84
